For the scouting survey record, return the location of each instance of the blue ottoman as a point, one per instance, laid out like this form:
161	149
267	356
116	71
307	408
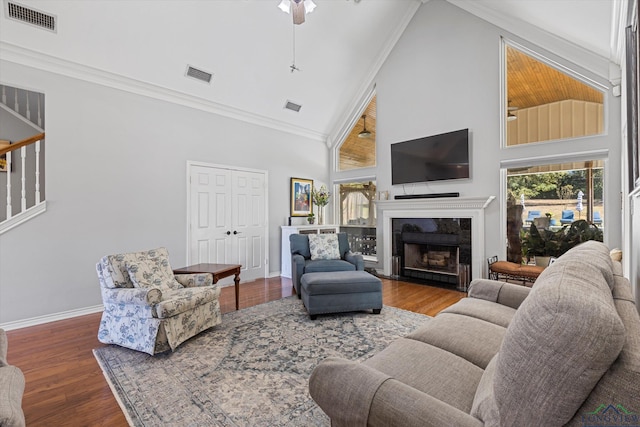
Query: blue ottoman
340	291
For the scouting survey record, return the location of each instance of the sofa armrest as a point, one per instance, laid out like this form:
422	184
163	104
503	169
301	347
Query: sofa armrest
195	279
397	403
499	292
344	390
135	296
353	394
355	259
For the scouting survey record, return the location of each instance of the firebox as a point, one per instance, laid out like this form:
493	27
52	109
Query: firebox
434	249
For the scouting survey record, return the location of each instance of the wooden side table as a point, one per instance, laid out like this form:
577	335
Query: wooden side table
218	271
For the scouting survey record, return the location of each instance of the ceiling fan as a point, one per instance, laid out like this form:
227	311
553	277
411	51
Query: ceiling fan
299	7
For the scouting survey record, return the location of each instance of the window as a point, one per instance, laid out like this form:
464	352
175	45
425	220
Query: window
359	148
543	103
552	197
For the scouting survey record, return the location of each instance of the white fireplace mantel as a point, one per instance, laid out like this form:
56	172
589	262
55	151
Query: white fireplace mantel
450	207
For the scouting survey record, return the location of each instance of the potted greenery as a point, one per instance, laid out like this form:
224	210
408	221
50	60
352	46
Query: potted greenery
543	244
311	218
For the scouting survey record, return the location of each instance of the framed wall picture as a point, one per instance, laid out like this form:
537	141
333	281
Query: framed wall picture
301	203
3	157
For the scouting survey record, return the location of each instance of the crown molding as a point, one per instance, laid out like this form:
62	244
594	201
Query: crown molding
571	51
348	116
30	58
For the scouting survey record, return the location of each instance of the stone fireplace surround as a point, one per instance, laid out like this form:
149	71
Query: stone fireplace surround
450	207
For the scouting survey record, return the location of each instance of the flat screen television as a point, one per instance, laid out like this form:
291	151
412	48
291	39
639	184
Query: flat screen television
432	158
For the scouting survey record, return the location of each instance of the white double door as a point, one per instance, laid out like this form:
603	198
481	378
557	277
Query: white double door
228	218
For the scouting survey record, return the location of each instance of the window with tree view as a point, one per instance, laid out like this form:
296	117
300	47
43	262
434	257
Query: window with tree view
550	201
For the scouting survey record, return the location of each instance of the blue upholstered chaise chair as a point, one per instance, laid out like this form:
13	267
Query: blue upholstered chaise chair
533	215
301	261
567	217
597	219
148	308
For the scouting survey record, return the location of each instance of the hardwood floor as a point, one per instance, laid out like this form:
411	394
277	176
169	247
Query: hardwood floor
65	386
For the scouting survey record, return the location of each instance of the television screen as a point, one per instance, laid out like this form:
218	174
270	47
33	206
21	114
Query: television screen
432	158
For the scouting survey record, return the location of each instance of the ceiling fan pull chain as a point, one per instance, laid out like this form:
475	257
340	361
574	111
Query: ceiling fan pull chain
293	65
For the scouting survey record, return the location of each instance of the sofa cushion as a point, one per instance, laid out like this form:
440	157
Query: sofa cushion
152	271
472	339
299	245
491	312
324	246
324	265
561	341
484	405
431	370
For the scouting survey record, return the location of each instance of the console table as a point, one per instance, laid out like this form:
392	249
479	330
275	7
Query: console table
287	230
218	271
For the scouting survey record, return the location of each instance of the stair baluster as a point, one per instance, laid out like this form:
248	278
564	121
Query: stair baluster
37	195
23	193
9	213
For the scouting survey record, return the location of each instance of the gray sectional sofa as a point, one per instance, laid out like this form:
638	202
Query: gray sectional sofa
564	352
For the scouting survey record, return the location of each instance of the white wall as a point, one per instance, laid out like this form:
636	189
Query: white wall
444	75
116	182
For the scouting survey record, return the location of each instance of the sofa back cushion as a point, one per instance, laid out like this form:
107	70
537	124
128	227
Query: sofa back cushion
620	385
561	341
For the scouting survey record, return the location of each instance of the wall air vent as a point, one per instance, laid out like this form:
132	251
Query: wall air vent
197	74
31	16
292	106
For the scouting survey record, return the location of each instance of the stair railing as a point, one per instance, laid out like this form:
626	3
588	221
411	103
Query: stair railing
9	150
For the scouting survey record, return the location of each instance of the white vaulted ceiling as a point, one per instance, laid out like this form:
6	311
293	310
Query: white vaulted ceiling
248	46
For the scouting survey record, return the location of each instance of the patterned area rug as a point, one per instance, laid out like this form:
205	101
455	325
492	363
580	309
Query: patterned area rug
252	370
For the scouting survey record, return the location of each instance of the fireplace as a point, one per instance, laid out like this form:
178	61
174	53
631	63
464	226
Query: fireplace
433	249
449	231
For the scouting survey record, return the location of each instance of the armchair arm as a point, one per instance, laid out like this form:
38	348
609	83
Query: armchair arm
355	259
499	292
297	270
135	296
195	279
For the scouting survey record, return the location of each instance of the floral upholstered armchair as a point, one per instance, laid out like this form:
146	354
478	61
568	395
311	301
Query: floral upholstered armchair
148	308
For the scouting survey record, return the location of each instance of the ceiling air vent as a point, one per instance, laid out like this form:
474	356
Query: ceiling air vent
194	73
292	106
31	16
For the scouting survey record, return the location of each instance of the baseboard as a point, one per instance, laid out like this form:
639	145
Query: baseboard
25	323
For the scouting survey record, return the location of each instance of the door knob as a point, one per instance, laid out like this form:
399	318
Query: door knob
228	233
236	232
